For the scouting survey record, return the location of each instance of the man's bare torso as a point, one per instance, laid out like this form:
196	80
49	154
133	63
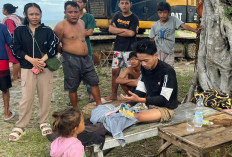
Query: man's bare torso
73	38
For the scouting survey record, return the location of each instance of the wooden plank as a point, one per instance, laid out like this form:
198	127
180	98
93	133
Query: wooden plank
177	142
163	147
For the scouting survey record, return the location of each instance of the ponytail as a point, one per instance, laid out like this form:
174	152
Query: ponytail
10	8
65	121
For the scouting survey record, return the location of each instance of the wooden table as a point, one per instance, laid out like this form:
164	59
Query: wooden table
200	142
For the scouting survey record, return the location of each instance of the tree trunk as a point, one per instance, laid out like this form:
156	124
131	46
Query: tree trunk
214	61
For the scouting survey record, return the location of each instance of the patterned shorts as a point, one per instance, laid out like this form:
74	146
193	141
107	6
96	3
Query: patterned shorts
120	59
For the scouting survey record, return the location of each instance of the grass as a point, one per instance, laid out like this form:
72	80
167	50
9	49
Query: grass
33	144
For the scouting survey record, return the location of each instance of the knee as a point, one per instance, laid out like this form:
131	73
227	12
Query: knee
138	117
115	72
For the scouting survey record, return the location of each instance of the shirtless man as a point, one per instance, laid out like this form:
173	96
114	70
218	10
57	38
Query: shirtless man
77	65
130	77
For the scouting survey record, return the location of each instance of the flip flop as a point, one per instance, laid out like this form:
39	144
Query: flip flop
12	116
103	100
68	104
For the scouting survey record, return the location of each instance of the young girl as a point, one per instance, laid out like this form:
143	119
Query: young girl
68	124
29	40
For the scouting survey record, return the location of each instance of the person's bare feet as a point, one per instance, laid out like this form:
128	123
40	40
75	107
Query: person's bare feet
111	98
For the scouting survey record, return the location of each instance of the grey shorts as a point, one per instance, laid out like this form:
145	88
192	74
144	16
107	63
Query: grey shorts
77	68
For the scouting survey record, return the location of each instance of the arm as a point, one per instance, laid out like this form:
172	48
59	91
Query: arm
7	36
53	41
168	89
90	25
88	32
121	31
186	27
138	96
17	49
10	25
123	80
59	30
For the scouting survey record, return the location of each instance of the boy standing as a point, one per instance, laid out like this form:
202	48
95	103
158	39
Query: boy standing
124	25
163	33
130	77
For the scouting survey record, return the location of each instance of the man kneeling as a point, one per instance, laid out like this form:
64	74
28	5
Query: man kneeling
157	85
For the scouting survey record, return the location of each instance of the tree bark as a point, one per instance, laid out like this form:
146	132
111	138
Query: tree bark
214	61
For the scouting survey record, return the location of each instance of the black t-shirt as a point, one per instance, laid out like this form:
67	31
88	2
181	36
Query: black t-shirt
130	22
160	85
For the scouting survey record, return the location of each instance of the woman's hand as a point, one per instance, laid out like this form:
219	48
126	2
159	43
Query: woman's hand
36	62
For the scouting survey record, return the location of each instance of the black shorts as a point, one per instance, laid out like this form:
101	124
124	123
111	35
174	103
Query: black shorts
5	81
77	68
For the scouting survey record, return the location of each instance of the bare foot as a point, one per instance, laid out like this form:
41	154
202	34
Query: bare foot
111	98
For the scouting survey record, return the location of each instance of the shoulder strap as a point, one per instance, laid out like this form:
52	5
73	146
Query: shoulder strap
42	54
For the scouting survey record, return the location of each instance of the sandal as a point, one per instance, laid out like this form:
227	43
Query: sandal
45	127
12	116
18	135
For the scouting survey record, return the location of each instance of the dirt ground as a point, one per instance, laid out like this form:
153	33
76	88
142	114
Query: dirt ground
145	148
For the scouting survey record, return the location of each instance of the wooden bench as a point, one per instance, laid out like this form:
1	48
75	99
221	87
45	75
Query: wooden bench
145	130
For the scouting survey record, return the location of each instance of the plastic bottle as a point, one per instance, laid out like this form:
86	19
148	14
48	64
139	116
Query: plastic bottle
198	118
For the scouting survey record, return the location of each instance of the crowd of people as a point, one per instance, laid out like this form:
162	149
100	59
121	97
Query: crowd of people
149	76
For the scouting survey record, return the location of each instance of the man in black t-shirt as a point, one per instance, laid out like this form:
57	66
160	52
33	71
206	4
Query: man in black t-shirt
125	25
157	86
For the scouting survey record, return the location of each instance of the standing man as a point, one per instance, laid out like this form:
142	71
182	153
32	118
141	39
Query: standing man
125	26
77	65
157	87
90	24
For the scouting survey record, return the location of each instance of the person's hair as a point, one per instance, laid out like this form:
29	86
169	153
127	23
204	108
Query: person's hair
26	7
120	0
163	6
72	3
66	121
144	46
132	54
84	1
9	8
